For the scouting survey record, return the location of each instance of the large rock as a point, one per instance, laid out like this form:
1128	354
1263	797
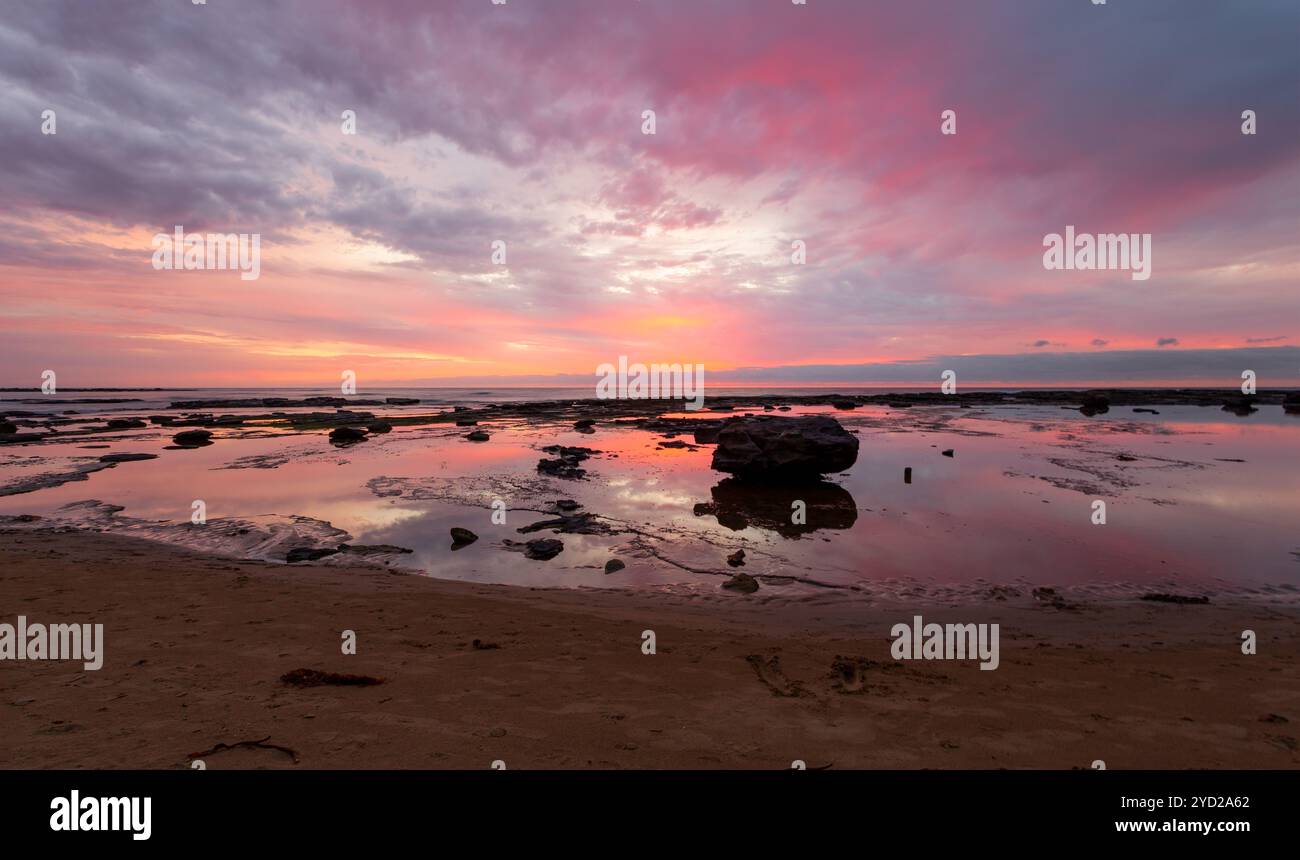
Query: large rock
1094	403
777	448
193	438
341	436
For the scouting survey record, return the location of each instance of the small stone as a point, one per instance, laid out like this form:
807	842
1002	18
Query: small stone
743	583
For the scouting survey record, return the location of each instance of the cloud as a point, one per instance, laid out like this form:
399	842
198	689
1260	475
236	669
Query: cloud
480	122
1167	341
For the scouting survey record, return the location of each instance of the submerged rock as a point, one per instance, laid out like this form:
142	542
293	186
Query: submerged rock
8	427
614	566
478	436
126	458
566	464
543	549
585	523
380	427
771	448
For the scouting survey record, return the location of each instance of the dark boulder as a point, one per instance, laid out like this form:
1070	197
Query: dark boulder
1094	403
347	436
125	423
193	438
478	436
461	537
771	448
380	427
126	458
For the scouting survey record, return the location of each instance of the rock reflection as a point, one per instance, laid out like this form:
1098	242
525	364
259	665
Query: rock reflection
739	504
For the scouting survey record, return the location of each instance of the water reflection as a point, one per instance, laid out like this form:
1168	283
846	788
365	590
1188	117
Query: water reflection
738	505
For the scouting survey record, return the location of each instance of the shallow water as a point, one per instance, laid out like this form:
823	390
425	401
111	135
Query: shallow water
1207	500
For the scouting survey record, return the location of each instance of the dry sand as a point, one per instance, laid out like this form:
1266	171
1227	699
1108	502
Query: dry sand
196	647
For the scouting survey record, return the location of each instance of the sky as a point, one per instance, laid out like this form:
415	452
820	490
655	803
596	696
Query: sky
775	127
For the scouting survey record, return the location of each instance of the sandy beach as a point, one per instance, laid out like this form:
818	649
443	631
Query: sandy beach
196	649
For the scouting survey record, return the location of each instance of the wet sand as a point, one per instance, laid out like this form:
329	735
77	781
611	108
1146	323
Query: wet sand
196	647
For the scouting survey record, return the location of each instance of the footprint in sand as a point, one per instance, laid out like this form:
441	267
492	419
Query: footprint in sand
769	672
849	674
